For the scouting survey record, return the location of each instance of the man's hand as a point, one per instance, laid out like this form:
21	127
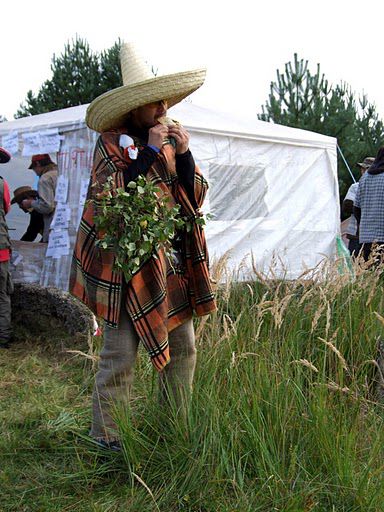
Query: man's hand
157	134
181	136
26	203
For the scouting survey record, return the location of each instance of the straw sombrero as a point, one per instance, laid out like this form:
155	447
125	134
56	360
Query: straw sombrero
140	88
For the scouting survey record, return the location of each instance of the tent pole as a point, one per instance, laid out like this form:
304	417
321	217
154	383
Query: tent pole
346	164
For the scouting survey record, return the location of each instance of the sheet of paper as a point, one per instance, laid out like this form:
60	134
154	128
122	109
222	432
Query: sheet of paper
50	141
16	258
10	142
61	189
47	141
79	215
83	190
31	144
58	244
61	217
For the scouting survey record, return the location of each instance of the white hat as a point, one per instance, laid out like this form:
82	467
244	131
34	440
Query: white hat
140	88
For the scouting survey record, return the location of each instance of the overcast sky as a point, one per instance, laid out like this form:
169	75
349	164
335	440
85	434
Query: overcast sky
241	43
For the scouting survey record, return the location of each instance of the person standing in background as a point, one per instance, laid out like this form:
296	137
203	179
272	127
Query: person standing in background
43	167
369	207
352	231
36	221
6	285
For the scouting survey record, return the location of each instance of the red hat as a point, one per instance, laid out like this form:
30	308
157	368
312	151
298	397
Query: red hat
4	156
41	159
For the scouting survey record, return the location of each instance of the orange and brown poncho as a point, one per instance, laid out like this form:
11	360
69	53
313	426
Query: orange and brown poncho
159	298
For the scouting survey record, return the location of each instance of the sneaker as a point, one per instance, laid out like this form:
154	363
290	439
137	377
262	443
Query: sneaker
114	446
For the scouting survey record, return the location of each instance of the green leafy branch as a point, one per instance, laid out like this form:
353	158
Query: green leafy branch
135	223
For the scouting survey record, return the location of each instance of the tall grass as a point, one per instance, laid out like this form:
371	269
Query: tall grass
284	416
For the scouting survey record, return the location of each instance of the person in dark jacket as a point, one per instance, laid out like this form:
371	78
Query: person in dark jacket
36	221
46	170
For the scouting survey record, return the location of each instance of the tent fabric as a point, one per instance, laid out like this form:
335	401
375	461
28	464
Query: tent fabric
199	119
273	196
66	119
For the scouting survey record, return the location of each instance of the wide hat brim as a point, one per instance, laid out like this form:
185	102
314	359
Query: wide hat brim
23	194
110	110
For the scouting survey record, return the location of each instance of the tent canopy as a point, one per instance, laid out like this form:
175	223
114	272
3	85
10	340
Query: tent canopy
197	118
273	196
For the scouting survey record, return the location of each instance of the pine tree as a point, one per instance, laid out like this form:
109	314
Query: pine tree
78	76
110	73
304	100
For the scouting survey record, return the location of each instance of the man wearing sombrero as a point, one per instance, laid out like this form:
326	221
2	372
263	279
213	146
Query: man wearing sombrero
6	286
156	305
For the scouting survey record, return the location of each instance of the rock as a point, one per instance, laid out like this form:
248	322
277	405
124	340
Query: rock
48	312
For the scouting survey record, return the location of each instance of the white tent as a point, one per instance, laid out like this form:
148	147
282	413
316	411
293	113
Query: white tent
273	196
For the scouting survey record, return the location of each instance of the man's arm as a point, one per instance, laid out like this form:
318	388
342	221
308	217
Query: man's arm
6	197
185	163
118	157
35	227
357	205
357	213
141	165
185	168
347	207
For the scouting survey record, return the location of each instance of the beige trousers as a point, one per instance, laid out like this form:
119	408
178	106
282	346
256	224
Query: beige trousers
116	369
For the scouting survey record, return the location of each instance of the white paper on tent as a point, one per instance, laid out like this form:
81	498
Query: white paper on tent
58	244
61	189
47	141
10	142
83	190
79	216
61	217
16	258
50	141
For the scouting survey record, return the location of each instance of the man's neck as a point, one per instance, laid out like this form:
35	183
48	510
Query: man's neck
137	131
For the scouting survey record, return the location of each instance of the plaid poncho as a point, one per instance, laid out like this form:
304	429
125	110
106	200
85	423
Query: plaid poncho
158	299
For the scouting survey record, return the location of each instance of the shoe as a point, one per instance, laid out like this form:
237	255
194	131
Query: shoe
5	344
114	446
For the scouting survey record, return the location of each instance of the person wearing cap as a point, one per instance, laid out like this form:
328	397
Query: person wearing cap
352	230
369	208
44	204
6	285
36	221
155	307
